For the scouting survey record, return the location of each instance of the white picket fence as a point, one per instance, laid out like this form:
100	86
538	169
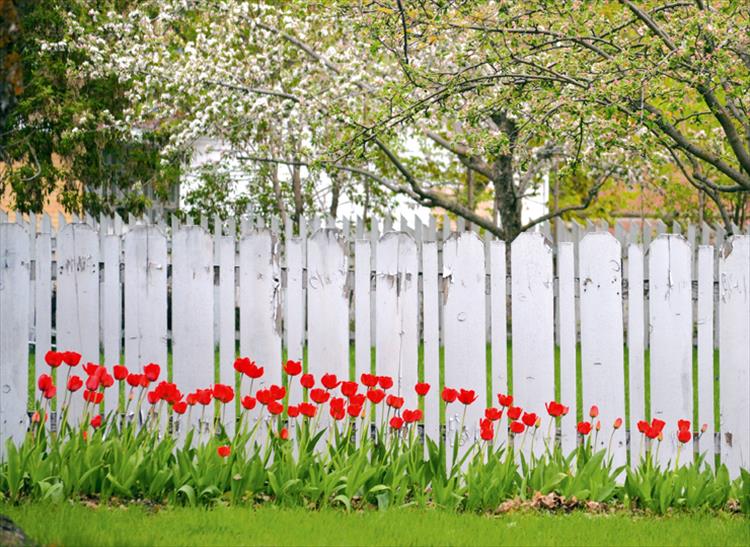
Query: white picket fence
140	290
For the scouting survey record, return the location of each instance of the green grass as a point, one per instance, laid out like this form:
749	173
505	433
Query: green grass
71	524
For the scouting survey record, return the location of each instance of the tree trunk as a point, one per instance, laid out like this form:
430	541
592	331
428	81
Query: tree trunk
335	192
507	203
469	193
277	193
297	189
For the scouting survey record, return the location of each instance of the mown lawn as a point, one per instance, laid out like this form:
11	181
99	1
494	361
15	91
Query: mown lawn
74	524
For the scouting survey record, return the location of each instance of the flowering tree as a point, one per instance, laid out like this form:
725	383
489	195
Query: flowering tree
385	97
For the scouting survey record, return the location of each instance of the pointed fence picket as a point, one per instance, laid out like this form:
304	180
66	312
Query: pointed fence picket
126	290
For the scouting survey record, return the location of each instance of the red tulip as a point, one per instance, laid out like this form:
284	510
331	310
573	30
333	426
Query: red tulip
618	423
514	412
307	381
74	383
654	430
422	389
704	428
642	426
368	380
449	395
411	416
253	371
684	435
275	408
293	368
467	396
204	396
192	399
598	425
120	372
241	364
396	422
223	393
44	382
375	396
329	381
107	380
517	427
152	371
357	399
292	411
180	407
505	400
584	428
349	388
319	396
487	433
337	413
71	358
284	434
529	419
555	409
96	421
385	382
277	392
134	380
394	401
92	382
153	397
354	410
683	425
94	397
248	402
594	411
264	396
307	409
493	414
50	392
224	450
53	358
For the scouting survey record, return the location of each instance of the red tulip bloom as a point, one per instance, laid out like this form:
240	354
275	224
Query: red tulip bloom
53	358
96	421
307	381
44	382
338	403
684	435
337	413
264	396
153	397
284	434
422	388
204	396
683	425
385	382
394	402
655	429
517	428
152	371
411	416
241	364
329	381
71	358
354	410
248	402
493	414
277	392
319	396
357	399
529	419
191	399
293	368
275	408
598	425
92	382
223	393
514	412
349	388
94	397
224	451
120	372
396	422
254	371
74	383
555	409
449	395
505	400
134	380
307	409
487	433
180	407
594	411
618	423
584	428
467	396
292	411
642	426
50	392
107	380
368	380
375	396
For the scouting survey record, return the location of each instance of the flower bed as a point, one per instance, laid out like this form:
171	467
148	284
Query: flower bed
303	445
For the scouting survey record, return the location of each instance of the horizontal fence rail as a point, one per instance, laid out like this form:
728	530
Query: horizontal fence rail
642	323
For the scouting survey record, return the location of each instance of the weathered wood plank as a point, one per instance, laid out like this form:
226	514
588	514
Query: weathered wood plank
430	321
567	314
498	320
111	311
636	370
362	343
705	327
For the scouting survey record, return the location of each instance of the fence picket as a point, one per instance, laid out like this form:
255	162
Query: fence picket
362	344
78	298
636	329
567	314
396	303
465	346
111	308
705	326
192	313
14	328
431	335
532	323
734	352
602	364
498	320
670	312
